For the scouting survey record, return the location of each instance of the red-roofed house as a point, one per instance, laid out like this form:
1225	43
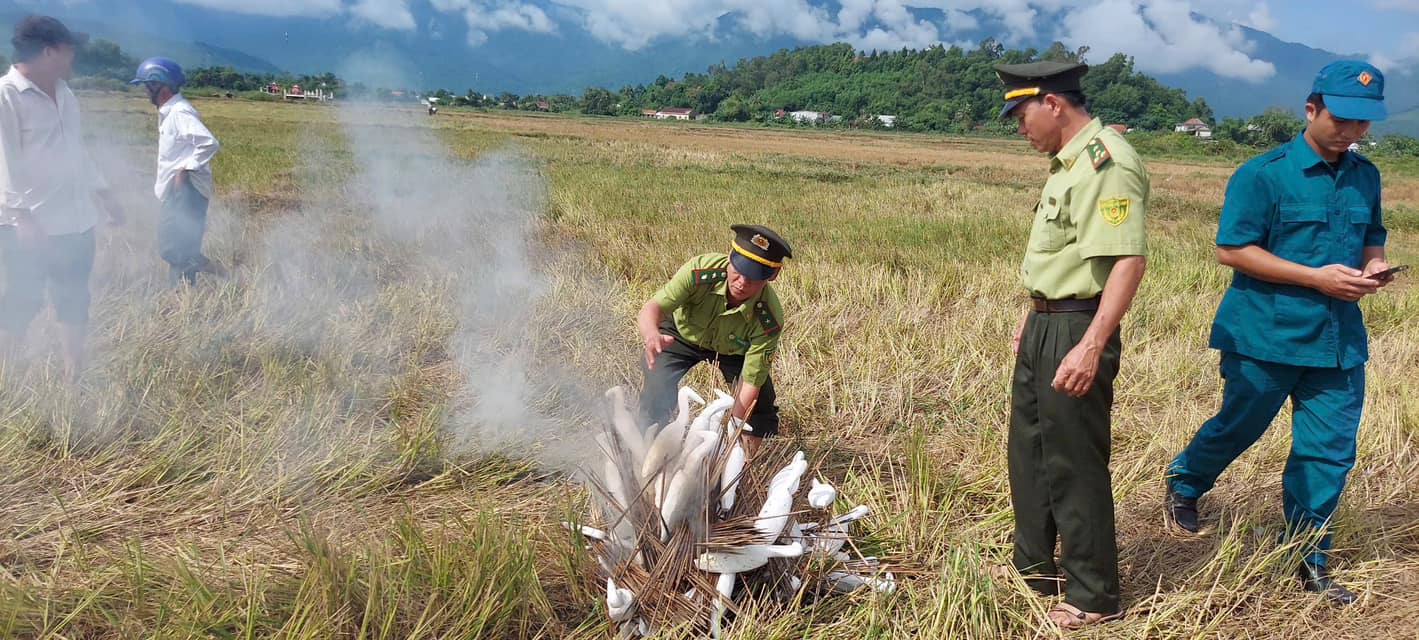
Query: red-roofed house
1194	127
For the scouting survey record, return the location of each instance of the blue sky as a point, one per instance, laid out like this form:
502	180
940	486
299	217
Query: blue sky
1361	26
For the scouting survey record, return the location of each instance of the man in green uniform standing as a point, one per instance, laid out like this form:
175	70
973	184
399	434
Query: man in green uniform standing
1082	267
722	310
1301	227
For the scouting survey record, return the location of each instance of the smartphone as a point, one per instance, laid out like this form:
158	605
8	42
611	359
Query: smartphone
1388	272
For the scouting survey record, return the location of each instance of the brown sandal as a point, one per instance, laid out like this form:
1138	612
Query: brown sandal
1069	617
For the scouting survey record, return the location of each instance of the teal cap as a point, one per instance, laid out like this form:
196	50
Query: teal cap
1353	90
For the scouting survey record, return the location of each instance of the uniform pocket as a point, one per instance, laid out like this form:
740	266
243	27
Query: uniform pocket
1302	213
1303	235
1051	232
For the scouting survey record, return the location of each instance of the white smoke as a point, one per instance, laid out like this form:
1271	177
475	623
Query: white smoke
473	226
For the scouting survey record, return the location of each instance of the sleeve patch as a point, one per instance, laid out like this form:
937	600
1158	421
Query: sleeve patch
1114	210
766	318
1098	153
709	276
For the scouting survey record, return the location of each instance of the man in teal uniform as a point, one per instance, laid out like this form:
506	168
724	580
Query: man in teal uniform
722	310
1082	267
1301	228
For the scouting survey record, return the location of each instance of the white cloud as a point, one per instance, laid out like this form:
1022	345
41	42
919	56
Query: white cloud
484	17
387	14
1163	38
1161	35
1403	60
278	8
1260	18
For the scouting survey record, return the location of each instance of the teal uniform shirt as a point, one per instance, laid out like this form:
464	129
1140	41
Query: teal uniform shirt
1300	208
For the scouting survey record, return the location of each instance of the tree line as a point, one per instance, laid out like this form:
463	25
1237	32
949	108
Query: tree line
936	89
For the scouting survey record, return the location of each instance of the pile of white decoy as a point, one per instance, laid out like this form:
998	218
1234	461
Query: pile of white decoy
681	522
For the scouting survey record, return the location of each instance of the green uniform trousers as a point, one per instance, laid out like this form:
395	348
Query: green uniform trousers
1059	465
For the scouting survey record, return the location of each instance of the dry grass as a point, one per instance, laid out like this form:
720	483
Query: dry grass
280	455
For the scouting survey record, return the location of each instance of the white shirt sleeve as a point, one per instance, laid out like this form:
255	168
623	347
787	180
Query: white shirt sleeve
204	144
12	169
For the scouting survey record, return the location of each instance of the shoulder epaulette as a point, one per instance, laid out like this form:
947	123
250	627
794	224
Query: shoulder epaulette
709	276
1098	153
766	318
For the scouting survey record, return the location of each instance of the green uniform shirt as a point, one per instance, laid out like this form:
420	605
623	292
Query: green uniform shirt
1090	213
697	296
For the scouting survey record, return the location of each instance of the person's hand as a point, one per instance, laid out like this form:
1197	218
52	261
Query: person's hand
29	234
116	216
654	344
180	179
1343	283
1076	372
1377	266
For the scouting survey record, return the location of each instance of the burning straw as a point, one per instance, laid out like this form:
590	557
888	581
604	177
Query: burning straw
683	523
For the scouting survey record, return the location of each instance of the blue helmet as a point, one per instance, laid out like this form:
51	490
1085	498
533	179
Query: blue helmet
160	70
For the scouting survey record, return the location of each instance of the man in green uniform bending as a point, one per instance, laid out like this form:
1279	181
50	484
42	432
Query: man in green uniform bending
720	308
1082	267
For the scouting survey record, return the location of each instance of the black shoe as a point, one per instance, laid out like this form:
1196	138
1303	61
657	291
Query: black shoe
1316	579
1180	511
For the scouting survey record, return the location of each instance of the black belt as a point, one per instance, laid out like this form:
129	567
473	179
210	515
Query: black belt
1067	305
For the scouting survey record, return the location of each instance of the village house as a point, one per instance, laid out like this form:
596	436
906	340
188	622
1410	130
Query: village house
810	117
887	121
1194	127
676	113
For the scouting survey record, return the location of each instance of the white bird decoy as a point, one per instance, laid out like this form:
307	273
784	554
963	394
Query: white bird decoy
729	477
625	426
618	601
821	495
773	516
587	531
682	405
745	558
828	542
712	413
859	512
843	582
669	441
725	586
688	481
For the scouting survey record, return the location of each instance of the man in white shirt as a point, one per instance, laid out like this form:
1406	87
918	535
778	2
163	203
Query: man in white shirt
48	188
185	150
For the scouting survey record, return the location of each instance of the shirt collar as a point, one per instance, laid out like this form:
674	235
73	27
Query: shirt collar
1306	157
22	81
172	102
721	289
1072	149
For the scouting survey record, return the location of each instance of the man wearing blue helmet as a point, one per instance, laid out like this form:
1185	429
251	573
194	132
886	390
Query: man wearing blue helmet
184	185
1301	228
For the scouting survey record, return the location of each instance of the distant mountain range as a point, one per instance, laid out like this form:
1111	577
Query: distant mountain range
1402	123
567	61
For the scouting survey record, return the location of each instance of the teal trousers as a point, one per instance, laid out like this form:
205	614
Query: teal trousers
1326	406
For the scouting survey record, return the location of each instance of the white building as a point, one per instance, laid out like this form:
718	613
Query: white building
810	117
676	113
